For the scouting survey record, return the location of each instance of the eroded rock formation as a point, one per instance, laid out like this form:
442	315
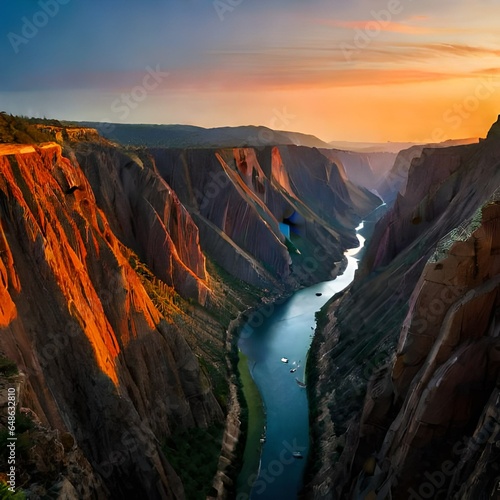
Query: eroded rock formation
101	362
238	197
120	272
389	414
363	169
394	181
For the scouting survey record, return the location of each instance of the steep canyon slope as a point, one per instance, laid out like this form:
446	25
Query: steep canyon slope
405	365
238	197
97	357
120	273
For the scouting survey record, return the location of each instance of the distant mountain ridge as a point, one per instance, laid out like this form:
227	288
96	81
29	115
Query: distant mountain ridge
190	136
392	147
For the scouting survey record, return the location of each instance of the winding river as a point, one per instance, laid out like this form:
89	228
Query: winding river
287	334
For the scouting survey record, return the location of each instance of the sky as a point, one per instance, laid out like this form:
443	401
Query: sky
368	70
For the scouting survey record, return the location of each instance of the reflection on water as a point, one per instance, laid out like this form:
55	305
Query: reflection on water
288	334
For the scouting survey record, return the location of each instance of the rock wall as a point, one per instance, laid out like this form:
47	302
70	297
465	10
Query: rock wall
394	181
363	169
147	216
101	362
430	279
119	271
239	196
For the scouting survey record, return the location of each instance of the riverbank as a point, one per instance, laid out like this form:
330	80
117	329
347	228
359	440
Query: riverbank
237	427
256	427
246	418
278	349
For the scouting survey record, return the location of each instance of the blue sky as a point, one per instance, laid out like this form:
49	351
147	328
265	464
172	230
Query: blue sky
366	70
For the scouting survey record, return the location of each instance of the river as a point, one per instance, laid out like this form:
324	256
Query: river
287	333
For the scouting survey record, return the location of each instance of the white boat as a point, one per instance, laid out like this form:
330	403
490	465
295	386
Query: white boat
284	360
297	454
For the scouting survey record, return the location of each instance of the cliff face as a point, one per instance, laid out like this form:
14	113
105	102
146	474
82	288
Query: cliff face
394	181
363	169
148	217
100	361
445	371
120	272
239	197
430	277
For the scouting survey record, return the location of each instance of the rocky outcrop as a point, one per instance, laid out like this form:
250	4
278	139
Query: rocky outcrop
101	362
62	134
147	216
430	279
238	197
394	181
363	169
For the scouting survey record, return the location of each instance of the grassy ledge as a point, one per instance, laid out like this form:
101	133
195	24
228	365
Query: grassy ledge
256	422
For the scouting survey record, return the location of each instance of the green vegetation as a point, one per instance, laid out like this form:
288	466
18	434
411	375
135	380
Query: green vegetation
189	316
292	249
21	130
23	424
6	494
255	426
220	387
7	367
194	455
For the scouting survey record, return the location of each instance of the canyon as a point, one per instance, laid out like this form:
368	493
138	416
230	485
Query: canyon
123	271
128	272
404	363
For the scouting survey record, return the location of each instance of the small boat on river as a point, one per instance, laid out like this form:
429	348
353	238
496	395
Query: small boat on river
293	370
300	383
297	454
284	360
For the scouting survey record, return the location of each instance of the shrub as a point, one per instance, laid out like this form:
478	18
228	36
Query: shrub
7	367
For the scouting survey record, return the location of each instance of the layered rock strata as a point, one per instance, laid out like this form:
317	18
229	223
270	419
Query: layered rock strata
387	412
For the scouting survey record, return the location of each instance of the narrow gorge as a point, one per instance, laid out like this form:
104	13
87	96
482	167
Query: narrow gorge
405	364
123	271
131	274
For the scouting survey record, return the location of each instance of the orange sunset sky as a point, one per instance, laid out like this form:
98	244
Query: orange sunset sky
396	70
